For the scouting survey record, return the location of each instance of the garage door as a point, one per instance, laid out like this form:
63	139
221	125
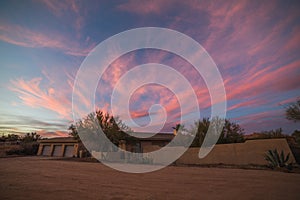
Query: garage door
69	151
46	150
57	150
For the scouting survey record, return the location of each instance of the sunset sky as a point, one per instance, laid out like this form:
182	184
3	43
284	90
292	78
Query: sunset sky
255	44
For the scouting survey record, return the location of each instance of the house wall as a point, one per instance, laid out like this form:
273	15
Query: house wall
249	152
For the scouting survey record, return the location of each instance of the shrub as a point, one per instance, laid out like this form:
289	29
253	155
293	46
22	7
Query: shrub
277	160
30	148
14	151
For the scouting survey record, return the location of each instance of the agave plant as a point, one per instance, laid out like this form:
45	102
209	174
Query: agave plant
277	160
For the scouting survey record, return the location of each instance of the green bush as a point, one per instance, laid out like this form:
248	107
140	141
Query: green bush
277	160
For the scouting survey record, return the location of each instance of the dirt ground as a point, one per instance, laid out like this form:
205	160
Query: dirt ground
41	178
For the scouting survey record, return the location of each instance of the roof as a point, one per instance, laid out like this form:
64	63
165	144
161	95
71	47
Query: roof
59	140
142	136
156	137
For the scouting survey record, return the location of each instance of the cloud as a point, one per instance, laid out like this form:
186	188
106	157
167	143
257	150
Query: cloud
255	48
266	120
145	7
52	134
283	79
21	124
70	11
24	37
31	94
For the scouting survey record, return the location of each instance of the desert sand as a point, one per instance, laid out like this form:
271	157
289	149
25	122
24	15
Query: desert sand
43	178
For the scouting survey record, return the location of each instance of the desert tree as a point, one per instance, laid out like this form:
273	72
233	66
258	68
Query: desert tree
296	135
31	137
91	125
293	111
230	133
73	132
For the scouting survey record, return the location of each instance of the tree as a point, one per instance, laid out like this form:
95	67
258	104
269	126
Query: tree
231	132
12	137
277	133
114	129
73	131
293	111
202	128
31	137
296	135
30	145
178	129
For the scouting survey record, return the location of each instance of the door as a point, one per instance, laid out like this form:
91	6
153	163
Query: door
46	150
69	151
57	150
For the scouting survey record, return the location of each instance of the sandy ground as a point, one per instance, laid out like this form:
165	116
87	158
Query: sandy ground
40	178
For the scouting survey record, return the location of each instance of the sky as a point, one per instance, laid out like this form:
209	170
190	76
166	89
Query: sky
255	45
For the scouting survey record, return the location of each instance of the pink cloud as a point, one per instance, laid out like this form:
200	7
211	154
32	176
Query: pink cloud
51	134
248	51
248	103
145	7
59	7
282	79
31	94
288	101
265	120
21	36
70	9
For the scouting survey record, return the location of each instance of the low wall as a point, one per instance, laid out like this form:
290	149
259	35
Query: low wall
249	152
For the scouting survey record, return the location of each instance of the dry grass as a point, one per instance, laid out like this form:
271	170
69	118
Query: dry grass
42	178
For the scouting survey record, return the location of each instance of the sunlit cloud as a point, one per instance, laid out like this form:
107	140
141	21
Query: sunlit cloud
255	46
21	124
21	36
31	94
70	9
145	7
51	134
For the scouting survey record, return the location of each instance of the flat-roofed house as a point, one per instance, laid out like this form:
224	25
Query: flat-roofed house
69	147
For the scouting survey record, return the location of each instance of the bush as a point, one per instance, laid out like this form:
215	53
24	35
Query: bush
30	148
277	161
14	151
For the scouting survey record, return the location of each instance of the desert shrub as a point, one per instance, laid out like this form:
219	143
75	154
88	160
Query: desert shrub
14	151
277	161
29	148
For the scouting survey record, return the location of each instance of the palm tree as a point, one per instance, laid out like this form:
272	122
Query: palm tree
176	128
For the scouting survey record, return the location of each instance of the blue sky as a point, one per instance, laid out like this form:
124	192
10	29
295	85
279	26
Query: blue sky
255	45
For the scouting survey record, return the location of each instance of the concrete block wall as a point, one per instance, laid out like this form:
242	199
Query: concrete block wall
249	152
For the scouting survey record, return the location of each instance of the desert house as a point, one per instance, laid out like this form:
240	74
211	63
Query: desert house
249	152
69	147
147	144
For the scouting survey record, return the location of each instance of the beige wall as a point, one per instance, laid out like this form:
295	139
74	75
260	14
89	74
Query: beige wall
250	152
